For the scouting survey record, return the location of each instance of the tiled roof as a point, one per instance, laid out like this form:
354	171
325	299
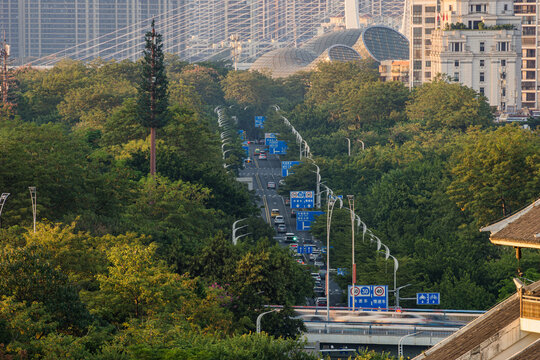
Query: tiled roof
522	228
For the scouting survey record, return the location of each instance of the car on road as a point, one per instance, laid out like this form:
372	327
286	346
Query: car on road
287	200
257	152
319	263
316	276
279	220
281	228
271	185
290	237
319	290
320	301
262	157
274	212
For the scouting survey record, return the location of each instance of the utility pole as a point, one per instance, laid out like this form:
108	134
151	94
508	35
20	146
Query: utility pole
153	103
3	199
237	49
351	207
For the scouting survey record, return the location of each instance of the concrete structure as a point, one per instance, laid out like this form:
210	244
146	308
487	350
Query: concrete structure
395	70
530	27
476	44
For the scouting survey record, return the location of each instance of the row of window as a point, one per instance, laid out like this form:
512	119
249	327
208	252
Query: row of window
457	46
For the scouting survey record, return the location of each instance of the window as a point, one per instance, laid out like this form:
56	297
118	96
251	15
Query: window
503	91
428	42
417	10
503	62
481	77
428	31
482	45
482	91
428	63
505	7
455	46
456	76
503	45
529	97
530	75
430	9
456	63
427	75
449	7
417	64
430	20
503	106
482	63
503	75
417	20
417	32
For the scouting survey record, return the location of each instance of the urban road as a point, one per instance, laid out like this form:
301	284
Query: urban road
269	170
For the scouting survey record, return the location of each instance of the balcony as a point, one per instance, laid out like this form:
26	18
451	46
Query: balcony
530	313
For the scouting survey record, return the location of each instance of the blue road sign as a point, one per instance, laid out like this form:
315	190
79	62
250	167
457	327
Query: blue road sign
259	121
241	134
302	199
246	149
286	165
305	218
279	147
341	271
369	297
267	137
308	249
428	298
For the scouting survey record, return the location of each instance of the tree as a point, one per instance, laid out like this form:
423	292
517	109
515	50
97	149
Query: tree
153	98
440	104
249	88
496	172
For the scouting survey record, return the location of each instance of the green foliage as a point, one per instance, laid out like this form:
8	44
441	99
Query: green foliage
152	99
496	172
440	104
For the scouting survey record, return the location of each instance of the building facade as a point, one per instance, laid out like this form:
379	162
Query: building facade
36	28
476	43
530	27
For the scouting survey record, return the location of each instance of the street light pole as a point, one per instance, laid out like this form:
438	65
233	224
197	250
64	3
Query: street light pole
234	229
362	144
351	207
396	266
3	199
349	146
331	203
259	318
33	196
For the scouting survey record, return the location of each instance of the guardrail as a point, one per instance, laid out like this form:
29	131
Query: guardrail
380	330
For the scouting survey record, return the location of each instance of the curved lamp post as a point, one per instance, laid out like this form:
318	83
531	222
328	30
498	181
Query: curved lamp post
259	318
3	199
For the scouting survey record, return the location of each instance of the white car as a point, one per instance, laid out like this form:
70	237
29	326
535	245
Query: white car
281	228
279	220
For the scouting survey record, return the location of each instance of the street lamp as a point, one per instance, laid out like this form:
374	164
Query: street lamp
349	146
234	229
331	203
396	266
3	199
362	143
33	196
259	318
351	208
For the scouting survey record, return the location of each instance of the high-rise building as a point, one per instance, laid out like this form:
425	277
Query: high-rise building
530	27
36	28
475	43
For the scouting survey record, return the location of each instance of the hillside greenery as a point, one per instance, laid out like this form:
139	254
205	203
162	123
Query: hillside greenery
124	265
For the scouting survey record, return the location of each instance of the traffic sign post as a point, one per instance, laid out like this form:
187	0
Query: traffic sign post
428	298
368	297
307	249
285	167
259	121
305	218
302	199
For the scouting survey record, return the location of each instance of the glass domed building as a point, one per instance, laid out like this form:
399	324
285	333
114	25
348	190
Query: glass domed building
374	42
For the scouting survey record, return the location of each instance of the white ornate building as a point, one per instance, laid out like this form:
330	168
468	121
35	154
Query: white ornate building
475	42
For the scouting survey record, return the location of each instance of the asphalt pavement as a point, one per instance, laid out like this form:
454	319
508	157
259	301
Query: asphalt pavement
269	170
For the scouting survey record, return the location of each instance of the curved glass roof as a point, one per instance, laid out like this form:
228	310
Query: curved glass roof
342	53
319	44
384	43
283	62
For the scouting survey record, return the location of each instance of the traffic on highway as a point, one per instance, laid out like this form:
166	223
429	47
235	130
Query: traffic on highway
265	168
